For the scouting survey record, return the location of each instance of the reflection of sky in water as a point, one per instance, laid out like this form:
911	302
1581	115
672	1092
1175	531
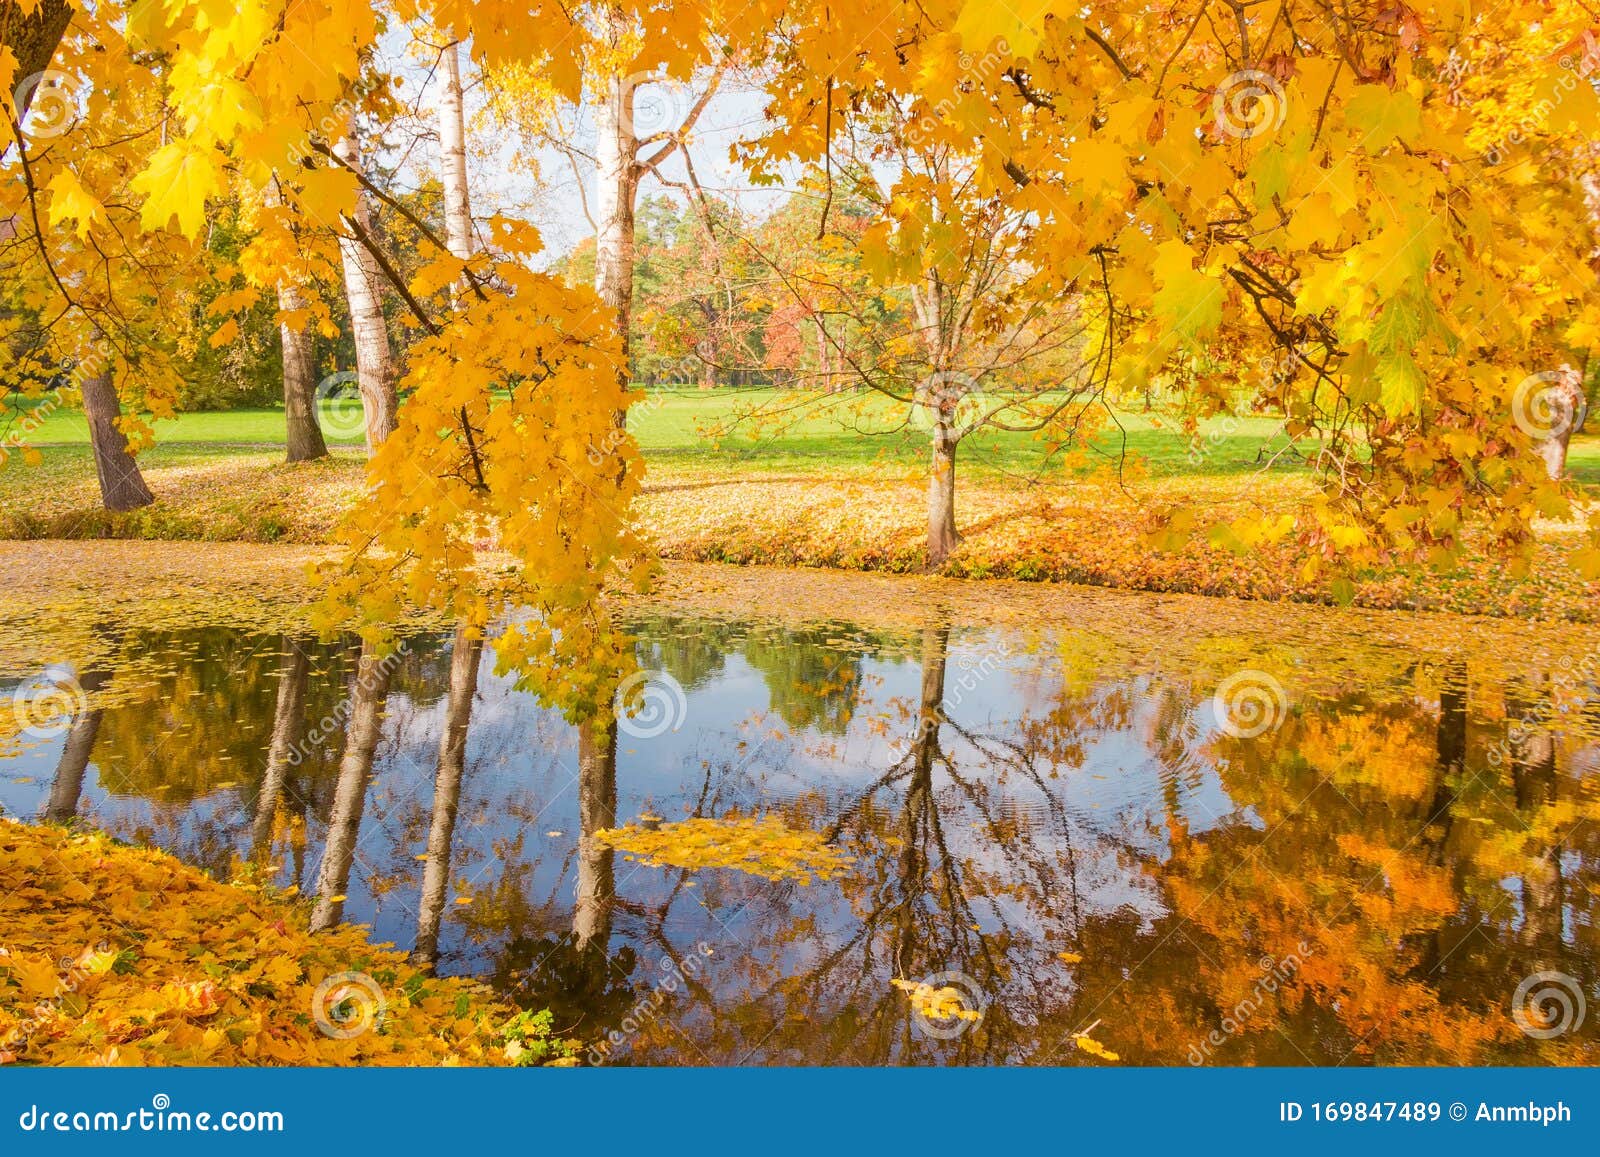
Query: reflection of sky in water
1053	824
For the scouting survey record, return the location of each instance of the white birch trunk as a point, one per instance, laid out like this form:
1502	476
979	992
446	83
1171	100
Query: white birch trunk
361	281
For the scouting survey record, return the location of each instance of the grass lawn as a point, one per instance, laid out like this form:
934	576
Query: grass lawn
681	428
818	492
693	428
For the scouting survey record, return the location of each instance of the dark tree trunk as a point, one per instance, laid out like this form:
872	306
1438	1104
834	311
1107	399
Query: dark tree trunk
288	724
942	535
597	808
362	733
302	433
465	656
122	486
33	38
67	786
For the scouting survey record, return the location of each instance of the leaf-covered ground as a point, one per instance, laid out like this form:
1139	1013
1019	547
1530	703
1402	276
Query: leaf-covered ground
114	955
1073	531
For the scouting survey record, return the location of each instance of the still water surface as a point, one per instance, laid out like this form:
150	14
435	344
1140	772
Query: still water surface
1359	866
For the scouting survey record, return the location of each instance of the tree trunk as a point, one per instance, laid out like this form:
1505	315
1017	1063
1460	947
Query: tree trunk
1554	452
33	39
374	368
122	486
465	657
302	431
365	728
453	157
67	786
942	535
1564	400
597	808
617	183
288	724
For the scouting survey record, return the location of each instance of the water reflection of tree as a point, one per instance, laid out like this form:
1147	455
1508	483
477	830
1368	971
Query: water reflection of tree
66	788
1362	875
466	656
368	693
1425	877
579	974
812	683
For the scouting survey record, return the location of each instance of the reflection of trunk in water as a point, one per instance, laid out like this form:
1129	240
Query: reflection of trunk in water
465	656
288	728
1535	782
1451	741
597	808
919	791
67	787
349	799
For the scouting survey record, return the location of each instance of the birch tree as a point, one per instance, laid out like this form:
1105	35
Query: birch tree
362	287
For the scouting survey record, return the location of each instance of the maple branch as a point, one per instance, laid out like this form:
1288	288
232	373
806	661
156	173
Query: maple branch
675	137
411	218
390	273
1105	46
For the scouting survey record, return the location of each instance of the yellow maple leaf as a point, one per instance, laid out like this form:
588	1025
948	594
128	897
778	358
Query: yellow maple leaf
176	183
70	201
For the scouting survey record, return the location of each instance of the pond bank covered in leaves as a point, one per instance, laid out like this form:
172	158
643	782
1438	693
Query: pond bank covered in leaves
1080	532
115	955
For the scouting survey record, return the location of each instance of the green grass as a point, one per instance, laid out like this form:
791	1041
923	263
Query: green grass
682	428
678	428
65	426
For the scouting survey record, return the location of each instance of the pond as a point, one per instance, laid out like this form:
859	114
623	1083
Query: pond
1271	848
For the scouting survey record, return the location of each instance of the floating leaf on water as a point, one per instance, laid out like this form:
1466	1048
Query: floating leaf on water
763	846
